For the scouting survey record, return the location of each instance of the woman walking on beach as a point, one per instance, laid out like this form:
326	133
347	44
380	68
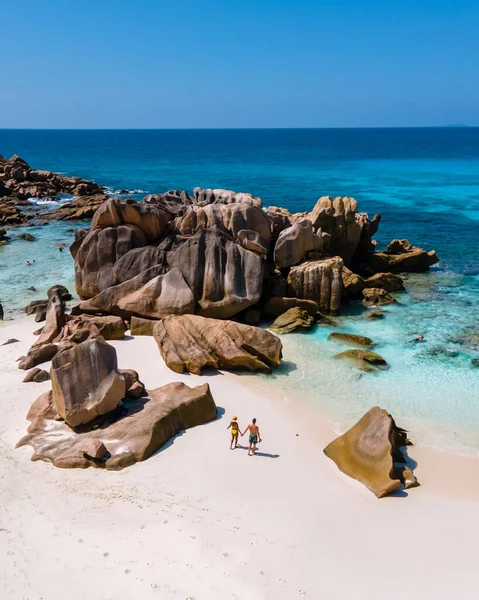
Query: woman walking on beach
234	432
254	437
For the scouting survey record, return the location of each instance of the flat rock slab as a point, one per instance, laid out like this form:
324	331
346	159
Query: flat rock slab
367	452
191	343
135	431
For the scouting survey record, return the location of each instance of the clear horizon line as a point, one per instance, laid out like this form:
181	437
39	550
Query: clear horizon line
446	126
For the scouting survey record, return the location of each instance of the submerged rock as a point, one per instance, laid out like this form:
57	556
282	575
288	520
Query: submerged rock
139	430
192	343
374	315
365	360
367	452
294	319
350	338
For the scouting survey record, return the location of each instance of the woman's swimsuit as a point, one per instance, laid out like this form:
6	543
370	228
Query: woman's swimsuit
234	428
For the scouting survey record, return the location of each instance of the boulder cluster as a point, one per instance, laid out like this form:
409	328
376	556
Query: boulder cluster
219	254
19	182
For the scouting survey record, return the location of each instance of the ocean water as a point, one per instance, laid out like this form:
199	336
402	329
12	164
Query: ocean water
424	182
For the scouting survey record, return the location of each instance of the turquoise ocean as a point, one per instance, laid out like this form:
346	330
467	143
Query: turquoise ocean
425	184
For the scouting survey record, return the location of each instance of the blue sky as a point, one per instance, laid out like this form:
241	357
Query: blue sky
242	63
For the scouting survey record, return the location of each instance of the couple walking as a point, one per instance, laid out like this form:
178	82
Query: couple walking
254	435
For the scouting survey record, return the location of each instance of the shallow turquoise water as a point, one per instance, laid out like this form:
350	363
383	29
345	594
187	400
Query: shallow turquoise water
424	182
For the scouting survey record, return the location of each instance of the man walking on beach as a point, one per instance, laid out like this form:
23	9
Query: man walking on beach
254	437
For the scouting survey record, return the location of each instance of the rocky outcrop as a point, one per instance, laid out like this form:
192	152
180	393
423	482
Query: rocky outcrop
295	242
81	208
401	257
351	339
294	319
203	197
192	343
364	360
224	277
369	450
350	231
154	298
377	297
320	281
20	181
99	251
139	430
86	382
109	327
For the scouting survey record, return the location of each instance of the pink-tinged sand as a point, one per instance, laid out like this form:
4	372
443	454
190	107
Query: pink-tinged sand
200	521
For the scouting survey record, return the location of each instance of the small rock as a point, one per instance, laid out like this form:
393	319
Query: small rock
294	319
351	339
374	315
37	375
365	360
94	449
10	341
377	297
27	237
475	362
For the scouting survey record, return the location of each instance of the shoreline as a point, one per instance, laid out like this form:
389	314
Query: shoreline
197	520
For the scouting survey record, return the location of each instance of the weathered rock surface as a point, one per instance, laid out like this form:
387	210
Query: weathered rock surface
318	280
224	277
192	343
350	231
203	197
134	387
279	305
377	297
141	296
350	338
99	250
141	428
367	452
110	327
294	319
295	242
364	360
86	382
140	326
38	355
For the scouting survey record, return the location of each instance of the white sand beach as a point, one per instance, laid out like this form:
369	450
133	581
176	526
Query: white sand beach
198	521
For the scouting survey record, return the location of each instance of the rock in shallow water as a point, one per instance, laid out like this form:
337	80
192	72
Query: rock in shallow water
351	339
365	360
294	319
377	297
367	452
192	343
141	428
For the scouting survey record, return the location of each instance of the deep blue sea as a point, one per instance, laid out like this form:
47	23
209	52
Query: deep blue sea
424	182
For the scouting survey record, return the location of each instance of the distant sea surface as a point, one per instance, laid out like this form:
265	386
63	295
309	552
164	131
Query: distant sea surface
425	184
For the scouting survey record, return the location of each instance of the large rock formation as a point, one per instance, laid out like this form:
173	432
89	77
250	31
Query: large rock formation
367	452
192	343
81	208
350	231
18	180
86	382
224	277
132	434
318	280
